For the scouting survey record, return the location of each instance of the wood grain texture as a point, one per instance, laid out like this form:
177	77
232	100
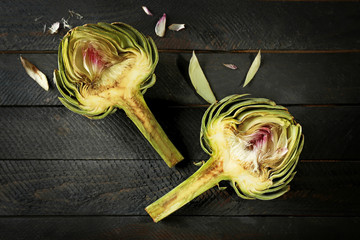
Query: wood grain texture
252	25
112	187
178	228
63	176
285	78
57	133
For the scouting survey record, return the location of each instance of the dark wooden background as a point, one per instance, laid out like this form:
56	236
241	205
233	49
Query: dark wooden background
63	176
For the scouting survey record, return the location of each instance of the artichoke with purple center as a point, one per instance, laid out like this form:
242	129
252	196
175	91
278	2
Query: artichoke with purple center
252	142
104	67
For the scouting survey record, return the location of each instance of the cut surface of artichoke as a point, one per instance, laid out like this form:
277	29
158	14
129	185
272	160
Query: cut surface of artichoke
104	67
252	142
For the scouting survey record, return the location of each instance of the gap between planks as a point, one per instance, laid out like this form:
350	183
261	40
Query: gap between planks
197	105
151	159
181	216
308	51
309	0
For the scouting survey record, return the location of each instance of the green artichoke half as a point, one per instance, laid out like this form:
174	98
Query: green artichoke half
103	67
252	142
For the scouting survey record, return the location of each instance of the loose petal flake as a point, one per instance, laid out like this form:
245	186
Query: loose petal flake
176	27
65	23
38	18
77	15
54	76
147	11
199	80
231	66
54	28
160	26
253	69
35	73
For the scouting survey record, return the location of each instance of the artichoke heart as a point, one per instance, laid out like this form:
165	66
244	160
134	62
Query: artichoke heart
104	67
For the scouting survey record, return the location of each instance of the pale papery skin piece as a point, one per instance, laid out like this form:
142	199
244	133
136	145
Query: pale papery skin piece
161	26
176	27
54	28
230	66
35	73
147	11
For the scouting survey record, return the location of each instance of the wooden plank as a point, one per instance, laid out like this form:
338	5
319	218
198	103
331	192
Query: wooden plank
57	133
19	89
210	228
111	187
215	26
285	78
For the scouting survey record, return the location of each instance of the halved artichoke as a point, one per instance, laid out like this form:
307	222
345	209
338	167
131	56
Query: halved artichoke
105	66
252	142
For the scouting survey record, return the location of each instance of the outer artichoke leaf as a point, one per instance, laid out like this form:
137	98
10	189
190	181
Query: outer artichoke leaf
216	108
284	180
140	38
150	49
227	108
293	159
72	107
247	192
148	83
129	31
293	155
131	36
63	90
153	52
237	108
79	109
273	195
211	113
64	60
103	114
66	84
296	137
62	86
204	143
267	107
273	189
233	104
291	163
247	117
235	187
120	40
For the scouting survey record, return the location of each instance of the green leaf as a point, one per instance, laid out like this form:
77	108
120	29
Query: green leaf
199	80
253	69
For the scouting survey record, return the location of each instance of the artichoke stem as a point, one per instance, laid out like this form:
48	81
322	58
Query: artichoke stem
208	176
137	110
